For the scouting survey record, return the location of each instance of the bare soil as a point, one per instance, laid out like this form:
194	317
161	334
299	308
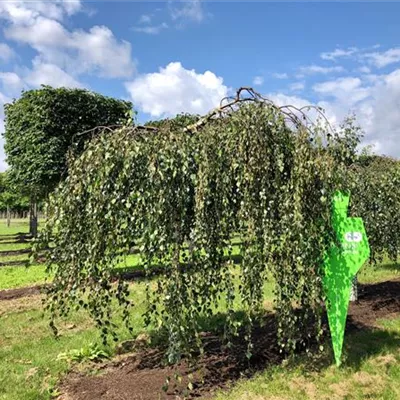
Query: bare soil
12	294
140	376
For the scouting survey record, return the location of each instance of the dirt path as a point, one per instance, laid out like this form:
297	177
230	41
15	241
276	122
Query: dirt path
141	375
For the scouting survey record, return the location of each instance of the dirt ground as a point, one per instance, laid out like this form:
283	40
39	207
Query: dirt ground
12	294
140	376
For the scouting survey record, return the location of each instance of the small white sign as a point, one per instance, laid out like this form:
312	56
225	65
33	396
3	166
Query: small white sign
353	237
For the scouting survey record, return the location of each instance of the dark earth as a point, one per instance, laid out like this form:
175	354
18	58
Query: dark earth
141	375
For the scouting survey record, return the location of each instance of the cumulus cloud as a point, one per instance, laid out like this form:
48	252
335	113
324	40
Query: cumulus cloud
50	74
25	11
364	69
6	52
175	89
375	103
11	82
95	51
383	59
348	90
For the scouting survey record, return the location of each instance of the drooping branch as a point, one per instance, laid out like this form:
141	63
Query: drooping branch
246	95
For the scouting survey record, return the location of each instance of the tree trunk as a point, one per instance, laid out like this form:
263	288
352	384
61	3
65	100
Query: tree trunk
33	218
8	216
354	290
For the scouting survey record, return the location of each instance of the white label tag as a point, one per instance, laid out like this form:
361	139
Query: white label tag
353	236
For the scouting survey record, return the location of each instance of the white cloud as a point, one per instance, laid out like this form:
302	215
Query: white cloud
95	51
6	52
11	82
278	75
375	104
385	58
42	33
25	11
99	51
348	90
190	10
258	80
151	29
364	69
72	6
317	69
297	86
338	53
175	89
145	19
281	99
50	74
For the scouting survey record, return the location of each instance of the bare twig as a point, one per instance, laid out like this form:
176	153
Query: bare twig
246	95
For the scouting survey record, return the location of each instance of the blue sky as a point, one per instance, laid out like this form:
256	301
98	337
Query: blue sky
176	56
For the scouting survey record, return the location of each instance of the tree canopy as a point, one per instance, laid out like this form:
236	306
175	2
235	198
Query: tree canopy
376	198
10	197
249	173
41	126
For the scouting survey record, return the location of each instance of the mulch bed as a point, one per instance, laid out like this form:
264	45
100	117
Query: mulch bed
11	294
141	376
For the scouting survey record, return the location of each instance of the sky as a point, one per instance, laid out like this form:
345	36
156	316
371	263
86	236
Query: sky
185	56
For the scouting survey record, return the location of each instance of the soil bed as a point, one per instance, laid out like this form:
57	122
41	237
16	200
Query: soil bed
11	294
141	375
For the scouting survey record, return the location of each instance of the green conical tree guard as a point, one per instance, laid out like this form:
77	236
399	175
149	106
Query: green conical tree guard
341	265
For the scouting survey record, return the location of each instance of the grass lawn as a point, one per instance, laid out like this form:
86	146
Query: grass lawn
14	277
372	371
16	226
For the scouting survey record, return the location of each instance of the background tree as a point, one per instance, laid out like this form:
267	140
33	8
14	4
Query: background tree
10	199
377	200
40	128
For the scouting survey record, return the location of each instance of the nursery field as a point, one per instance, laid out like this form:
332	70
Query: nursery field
75	365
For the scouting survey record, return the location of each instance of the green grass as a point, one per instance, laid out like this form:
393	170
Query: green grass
13	246
16	257
16	226
384	271
371	371
15	277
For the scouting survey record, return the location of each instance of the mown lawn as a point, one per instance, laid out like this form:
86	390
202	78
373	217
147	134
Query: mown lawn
16	226
371	371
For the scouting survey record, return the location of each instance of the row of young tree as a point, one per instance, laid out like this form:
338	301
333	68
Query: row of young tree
183	190
12	202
